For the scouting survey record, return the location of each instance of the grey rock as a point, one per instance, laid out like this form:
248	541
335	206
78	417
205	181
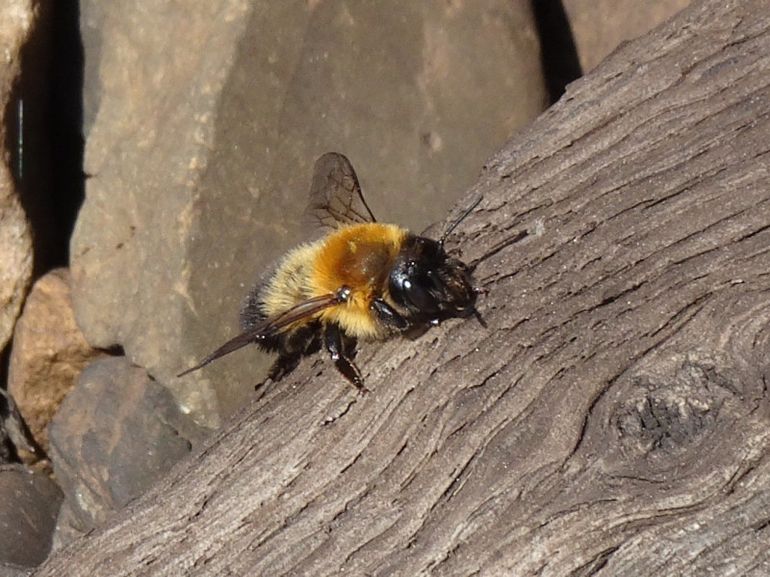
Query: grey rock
16	442
10	570
600	27
29	503
114	435
68	527
204	121
7	454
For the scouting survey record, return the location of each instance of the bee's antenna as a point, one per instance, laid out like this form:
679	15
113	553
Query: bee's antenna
459	219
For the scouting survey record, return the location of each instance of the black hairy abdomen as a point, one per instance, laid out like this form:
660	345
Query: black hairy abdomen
304	339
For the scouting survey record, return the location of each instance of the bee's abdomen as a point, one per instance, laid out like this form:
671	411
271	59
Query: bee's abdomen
252	312
285	287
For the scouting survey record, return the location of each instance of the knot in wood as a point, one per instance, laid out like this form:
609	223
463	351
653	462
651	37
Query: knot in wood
666	416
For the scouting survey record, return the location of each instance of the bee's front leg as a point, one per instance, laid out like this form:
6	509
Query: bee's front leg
388	315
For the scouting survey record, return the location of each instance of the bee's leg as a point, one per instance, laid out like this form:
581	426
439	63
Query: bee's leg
388	315
474	311
291	347
349	346
334	344
283	365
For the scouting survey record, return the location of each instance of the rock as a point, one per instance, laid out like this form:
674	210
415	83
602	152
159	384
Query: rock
48	354
114	435
7	453
599	27
17	20
16	442
29	504
8	570
68	527
6	450
208	122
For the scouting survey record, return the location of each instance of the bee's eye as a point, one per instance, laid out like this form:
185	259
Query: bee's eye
419	296
410	286
415	282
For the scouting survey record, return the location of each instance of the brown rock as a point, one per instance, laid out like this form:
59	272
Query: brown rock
17	19
48	354
115	434
599	27
208	123
29	504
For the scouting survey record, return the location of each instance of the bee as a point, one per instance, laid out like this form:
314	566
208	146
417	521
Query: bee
362	281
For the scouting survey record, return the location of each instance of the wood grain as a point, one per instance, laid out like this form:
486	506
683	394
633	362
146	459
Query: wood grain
613	418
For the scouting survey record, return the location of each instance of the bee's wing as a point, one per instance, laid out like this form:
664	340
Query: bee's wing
269	327
335	194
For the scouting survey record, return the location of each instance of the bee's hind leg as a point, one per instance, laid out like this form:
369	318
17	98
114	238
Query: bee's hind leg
283	365
342	349
291	347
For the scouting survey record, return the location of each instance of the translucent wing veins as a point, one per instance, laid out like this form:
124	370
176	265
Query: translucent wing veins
335	194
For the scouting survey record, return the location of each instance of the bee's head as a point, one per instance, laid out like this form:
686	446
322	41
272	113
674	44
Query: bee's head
428	283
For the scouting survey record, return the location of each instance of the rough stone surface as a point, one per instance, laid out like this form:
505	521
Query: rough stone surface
203	122
29	504
7	454
115	434
601	26
17	19
68	527
9	570
16	442
48	354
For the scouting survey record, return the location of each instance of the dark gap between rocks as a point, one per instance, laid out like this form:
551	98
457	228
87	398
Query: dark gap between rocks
45	133
65	105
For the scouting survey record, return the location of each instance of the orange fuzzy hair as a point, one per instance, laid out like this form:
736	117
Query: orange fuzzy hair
357	256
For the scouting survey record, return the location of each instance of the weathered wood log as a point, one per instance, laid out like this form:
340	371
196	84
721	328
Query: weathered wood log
612	420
